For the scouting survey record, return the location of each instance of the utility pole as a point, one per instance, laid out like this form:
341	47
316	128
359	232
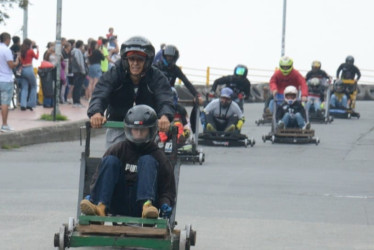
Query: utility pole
56	109
25	20
284	28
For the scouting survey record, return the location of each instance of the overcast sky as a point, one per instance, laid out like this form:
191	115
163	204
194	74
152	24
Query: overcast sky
218	33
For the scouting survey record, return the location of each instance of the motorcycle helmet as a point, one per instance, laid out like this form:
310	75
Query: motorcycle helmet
241	70
170	55
285	65
316	65
349	60
314	84
338	86
290	94
141	125
137	45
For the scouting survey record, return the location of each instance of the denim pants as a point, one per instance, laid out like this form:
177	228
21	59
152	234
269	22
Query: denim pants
334	102
293	120
28	87
120	197
279	98
316	101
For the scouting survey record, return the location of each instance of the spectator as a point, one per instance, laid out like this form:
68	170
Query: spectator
28	80
79	72
94	69
105	52
6	78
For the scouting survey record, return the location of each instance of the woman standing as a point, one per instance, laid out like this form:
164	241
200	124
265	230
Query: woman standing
28	80
94	69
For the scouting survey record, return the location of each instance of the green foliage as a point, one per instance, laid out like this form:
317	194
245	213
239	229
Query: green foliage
10	146
49	117
5	5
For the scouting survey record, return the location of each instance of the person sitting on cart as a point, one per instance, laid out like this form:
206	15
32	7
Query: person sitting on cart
181	121
167	64
339	97
223	114
134	177
285	76
238	82
291	113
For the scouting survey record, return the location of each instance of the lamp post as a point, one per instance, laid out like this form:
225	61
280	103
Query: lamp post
284	28
58	58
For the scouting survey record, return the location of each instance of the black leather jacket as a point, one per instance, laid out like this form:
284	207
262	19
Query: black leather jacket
116	94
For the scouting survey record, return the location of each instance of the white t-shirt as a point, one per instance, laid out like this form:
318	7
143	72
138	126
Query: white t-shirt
6	73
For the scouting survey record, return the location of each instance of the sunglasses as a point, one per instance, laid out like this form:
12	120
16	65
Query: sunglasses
136	59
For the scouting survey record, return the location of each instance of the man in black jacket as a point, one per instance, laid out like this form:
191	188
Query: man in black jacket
134	177
238	82
167	64
348	70
131	81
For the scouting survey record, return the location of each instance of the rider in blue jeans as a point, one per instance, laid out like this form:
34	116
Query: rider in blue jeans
291	113
134	177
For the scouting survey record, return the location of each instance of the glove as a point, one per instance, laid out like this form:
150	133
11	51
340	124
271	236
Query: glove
186	133
166	210
240	123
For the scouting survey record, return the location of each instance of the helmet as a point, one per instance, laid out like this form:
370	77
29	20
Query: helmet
314	84
141	117
316	65
338	86
138	44
290	90
172	51
241	70
285	65
349	60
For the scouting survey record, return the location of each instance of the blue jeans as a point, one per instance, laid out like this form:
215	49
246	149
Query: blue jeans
336	103
279	98
293	120
28	89
120	196
316	101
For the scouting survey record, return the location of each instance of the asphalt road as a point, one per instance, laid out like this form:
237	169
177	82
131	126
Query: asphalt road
271	196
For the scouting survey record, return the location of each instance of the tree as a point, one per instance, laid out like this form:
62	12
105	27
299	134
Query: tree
5	5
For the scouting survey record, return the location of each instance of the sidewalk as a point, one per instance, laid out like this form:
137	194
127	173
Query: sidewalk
29	129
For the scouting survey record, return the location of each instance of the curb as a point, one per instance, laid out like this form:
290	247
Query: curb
64	131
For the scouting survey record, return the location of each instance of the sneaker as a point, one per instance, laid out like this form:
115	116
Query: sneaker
88	208
210	128
6	128
306	126
78	105
69	101
149	211
280	125
230	128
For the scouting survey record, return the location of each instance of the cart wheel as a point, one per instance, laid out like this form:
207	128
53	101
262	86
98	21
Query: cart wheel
317	141
201	158
331	119
358	116
183	244
257	123
349	115
272	139
246	142
264	138
61	238
71	224
253	142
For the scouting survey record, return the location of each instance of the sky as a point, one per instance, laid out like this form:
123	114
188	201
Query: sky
219	33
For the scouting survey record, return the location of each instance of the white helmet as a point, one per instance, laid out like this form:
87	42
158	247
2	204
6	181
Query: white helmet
290	90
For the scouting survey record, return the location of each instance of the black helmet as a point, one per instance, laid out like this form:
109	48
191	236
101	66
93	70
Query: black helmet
170	50
241	70
140	44
140	117
338	86
349	60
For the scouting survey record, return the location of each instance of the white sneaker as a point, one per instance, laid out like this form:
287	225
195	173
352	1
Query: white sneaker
280	125
306	126
6	128
69	101
78	105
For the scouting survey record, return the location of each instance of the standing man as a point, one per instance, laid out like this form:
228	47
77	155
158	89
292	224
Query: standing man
131	81
6	78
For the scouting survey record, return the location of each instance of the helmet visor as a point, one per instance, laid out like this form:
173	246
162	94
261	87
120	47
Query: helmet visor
240	71
138	135
285	67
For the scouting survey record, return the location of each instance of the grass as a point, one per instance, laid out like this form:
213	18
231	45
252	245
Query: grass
49	117
10	146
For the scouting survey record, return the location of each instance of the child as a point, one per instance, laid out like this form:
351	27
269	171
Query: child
291	113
